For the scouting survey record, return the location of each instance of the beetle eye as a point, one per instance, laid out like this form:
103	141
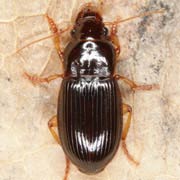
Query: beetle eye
105	31
73	32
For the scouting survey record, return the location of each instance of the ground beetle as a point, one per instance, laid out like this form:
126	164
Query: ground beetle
90	110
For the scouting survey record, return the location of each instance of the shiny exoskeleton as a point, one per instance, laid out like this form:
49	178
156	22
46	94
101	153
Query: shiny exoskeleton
89	106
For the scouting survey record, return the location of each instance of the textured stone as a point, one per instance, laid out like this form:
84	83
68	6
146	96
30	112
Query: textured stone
149	54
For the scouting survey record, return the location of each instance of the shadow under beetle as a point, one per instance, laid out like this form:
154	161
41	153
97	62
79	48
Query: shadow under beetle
90	109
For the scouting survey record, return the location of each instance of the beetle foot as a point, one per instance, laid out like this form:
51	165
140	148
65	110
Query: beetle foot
129	156
146	87
38	80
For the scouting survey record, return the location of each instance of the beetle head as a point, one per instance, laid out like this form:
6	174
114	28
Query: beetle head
89	24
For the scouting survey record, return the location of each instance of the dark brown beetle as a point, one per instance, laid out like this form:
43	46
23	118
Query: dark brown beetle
89	106
90	110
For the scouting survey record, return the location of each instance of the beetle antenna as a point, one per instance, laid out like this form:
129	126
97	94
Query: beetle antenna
135	17
44	38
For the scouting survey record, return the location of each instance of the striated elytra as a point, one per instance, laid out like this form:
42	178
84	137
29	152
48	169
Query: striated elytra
89	106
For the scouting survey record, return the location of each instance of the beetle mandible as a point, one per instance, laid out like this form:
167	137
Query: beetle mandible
90	109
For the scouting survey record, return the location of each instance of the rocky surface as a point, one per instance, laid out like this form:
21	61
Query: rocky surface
149	54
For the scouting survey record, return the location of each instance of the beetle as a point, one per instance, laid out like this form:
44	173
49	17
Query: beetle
90	108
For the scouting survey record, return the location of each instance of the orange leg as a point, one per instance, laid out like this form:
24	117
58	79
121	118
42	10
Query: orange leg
127	109
115	39
56	37
38	80
67	169
135	86
52	123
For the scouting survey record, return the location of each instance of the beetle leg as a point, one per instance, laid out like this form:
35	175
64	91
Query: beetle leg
127	109
37	79
51	124
56	38
67	169
115	39
135	86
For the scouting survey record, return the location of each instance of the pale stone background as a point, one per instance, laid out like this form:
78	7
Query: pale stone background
150	54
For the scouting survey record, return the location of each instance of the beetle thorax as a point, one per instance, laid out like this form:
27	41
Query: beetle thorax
91	58
92	62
